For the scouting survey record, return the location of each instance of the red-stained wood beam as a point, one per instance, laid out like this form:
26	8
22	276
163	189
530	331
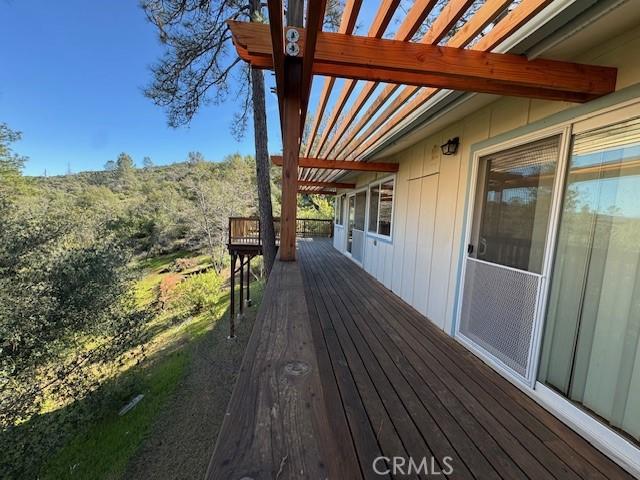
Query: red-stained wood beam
485	14
412	22
447	17
311	183
291	128
410	63
305	162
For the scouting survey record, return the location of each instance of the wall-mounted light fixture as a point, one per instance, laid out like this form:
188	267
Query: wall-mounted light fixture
451	147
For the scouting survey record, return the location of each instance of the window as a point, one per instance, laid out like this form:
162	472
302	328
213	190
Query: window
339	210
381	207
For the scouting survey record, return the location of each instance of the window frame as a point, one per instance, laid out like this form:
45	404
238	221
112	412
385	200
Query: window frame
379	183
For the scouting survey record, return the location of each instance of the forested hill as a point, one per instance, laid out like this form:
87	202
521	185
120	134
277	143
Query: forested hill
160	208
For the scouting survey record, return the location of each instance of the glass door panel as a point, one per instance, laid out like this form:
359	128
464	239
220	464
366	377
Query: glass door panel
516	201
351	219
591	349
357	248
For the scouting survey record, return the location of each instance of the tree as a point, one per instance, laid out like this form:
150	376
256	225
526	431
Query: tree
11	163
147	163
196	69
194	158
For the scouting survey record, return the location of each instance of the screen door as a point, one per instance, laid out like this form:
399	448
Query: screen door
504	265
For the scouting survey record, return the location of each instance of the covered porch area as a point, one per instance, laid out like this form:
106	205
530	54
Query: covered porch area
342	379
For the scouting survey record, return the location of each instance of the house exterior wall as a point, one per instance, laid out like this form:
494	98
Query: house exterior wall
421	261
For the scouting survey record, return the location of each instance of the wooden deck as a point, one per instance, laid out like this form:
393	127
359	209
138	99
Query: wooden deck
339	371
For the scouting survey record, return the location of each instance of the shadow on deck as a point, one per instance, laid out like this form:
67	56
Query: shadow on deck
339	372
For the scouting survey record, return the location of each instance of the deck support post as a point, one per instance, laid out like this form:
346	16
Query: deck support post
248	280
232	303
241	312
291	143
291	128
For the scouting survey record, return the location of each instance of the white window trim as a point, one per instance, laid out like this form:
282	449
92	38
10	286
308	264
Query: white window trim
386	238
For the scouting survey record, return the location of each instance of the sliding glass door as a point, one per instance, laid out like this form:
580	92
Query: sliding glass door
591	348
504	269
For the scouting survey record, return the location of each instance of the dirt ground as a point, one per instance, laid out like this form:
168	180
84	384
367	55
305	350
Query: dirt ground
182	439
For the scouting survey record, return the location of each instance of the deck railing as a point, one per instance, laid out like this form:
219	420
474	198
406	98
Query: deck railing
247	231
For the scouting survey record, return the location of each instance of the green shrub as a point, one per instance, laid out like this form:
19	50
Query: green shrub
198	292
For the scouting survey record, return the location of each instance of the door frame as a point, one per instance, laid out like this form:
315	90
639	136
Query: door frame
474	211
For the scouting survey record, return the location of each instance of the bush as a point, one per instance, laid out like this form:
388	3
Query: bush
167	289
199	292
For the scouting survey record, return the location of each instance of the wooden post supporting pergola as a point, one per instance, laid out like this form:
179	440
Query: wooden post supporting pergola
300	49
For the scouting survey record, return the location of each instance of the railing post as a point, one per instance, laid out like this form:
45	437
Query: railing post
241	306
232	305
248	280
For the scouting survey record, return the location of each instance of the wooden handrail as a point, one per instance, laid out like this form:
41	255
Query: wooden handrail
247	231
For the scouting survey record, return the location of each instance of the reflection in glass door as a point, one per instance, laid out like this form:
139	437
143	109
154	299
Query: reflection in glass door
591	347
504	268
351	218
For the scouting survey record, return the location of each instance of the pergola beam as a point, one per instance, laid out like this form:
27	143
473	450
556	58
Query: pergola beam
325	185
410	63
450	14
305	162
485	14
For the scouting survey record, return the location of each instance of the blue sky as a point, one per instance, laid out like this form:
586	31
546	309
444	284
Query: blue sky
71	80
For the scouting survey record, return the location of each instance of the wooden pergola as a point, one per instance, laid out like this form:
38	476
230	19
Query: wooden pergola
404	71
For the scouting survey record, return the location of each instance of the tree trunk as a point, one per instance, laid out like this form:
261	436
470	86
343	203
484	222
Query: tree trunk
263	176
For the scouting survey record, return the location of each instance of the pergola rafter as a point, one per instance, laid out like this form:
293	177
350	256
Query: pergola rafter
378	27
450	14
414	72
347	24
526	10
412	22
454	10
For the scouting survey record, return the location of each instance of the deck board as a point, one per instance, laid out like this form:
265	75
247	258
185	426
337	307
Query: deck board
458	405
383	381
